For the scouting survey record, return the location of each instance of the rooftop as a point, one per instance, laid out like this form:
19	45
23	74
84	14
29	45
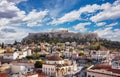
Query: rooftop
54	58
105	69
3	74
22	63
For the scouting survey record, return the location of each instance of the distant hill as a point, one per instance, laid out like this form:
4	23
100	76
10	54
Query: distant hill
62	36
65	36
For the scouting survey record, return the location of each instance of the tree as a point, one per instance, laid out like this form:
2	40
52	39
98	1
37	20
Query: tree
37	50
15	43
2	46
81	54
89	60
62	56
35	56
38	64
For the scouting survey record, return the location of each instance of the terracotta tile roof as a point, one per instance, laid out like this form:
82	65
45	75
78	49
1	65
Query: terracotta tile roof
101	66
107	68
54	58
4	74
117	58
31	75
42	75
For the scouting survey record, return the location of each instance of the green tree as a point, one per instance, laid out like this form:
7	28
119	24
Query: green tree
62	56
15	43
37	50
38	64
2	46
81	54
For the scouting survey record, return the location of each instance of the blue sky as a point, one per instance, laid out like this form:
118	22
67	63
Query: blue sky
20	17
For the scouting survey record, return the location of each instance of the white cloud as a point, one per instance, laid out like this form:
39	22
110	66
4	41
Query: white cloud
61	29
58	7
34	18
10	34
11	17
16	1
9	13
69	17
113	24
106	11
89	8
100	24
81	26
75	15
110	11
117	2
109	33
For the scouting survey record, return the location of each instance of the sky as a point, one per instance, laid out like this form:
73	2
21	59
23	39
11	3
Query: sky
18	18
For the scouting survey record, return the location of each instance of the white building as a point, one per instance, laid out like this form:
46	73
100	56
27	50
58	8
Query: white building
116	62
56	66
74	44
21	67
24	53
100	55
70	54
10	55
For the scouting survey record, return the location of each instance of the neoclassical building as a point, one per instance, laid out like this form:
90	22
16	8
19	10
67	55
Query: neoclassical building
56	66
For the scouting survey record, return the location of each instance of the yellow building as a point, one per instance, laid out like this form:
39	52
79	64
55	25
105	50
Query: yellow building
56	66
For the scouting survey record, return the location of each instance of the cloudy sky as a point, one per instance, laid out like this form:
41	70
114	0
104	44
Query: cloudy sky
20	17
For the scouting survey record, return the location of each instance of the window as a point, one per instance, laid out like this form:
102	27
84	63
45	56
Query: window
28	69
89	76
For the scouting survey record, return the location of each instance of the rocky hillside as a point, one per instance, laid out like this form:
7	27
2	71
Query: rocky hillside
63	36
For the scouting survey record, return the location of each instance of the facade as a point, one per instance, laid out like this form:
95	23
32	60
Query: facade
2	51
5	68
57	53
21	67
70	54
116	62
11	55
56	66
22	54
99	55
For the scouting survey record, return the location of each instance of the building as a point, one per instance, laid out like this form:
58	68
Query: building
10	55
5	68
101	70
24	53
57	53
2	50
99	55
70	54
116	62
56	66
21	67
